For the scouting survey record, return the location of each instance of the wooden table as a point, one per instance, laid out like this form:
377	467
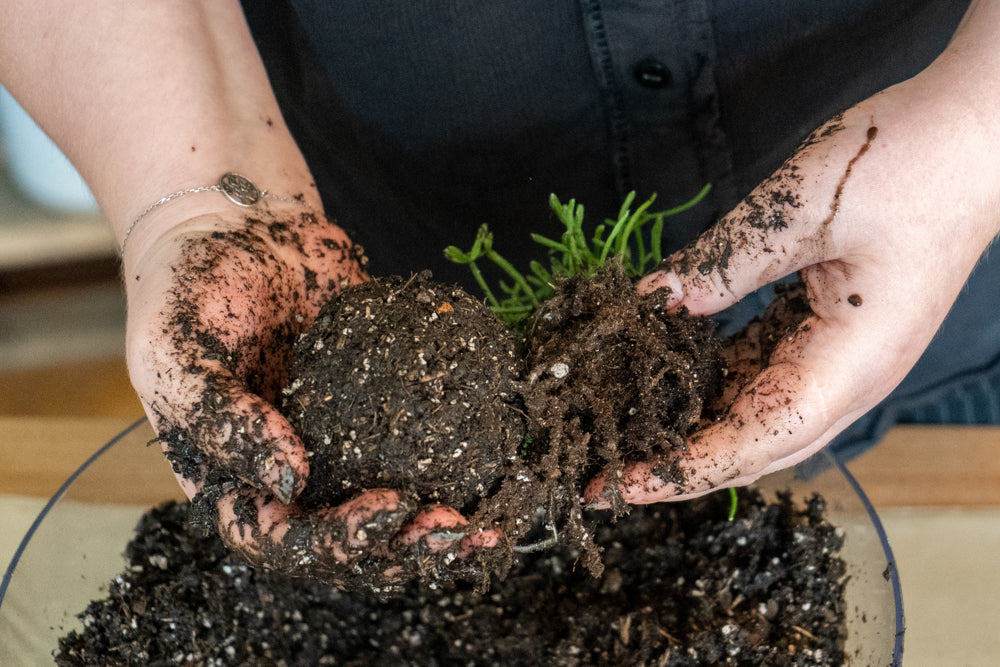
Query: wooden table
937	490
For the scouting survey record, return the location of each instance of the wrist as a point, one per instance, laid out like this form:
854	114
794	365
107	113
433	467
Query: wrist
286	232
236	188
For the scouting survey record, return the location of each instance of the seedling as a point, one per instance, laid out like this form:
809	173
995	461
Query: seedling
634	239
572	254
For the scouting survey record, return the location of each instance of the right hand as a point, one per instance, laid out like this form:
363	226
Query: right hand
215	305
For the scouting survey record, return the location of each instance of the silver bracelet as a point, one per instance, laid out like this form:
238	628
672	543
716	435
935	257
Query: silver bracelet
237	188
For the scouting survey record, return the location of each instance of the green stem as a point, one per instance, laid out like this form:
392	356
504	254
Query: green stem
631	225
572	254
656	240
549	243
513	273
481	281
581	240
688	204
615	231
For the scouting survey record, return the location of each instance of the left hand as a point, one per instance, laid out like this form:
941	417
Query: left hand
885	211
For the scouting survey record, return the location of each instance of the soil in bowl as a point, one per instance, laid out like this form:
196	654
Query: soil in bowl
412	385
682	586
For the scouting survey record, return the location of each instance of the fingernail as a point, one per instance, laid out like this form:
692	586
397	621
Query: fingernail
663	280
447	535
287	485
383	519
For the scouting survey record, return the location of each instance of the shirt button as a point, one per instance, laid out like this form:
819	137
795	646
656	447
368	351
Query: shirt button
652	73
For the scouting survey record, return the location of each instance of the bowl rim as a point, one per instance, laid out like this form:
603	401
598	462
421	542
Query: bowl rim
60	492
832	460
891	571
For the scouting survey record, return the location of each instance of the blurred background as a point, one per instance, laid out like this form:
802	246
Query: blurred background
62	309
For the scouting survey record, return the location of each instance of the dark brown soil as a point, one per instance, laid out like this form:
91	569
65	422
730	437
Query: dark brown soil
682	587
612	378
411	385
607	377
406	385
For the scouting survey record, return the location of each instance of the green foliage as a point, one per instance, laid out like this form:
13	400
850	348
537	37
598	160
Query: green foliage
572	254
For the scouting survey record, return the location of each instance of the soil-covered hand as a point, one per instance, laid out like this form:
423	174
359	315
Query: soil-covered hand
884	211
215	304
213	298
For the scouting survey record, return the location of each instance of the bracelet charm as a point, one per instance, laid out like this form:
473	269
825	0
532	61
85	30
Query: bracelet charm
240	189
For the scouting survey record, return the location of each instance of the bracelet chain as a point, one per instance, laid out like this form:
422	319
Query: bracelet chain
237	188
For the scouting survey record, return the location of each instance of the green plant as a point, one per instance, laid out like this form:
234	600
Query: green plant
572	254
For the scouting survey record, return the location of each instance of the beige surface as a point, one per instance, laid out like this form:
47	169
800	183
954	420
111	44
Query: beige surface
949	568
37	454
87	547
17	513
933	466
937	490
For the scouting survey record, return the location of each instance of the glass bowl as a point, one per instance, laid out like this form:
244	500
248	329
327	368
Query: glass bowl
75	546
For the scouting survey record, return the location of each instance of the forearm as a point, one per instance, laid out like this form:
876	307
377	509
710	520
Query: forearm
919	155
959	94
147	98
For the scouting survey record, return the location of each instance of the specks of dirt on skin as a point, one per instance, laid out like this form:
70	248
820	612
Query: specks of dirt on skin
835	202
762	213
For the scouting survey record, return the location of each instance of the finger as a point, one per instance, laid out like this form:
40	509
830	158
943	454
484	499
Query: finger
735	451
325	542
441	528
729	261
238	431
784	225
706	288
373	517
821	378
200	336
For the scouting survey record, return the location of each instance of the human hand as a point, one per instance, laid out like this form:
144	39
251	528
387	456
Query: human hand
215	304
214	300
884	211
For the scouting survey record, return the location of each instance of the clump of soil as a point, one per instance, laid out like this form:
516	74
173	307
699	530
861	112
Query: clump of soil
612	378
406	385
417	387
682	587
411	385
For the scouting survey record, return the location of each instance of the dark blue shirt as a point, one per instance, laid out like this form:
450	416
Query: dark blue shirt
423	119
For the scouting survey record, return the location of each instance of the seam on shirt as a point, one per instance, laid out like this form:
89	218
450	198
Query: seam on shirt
714	148
611	94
